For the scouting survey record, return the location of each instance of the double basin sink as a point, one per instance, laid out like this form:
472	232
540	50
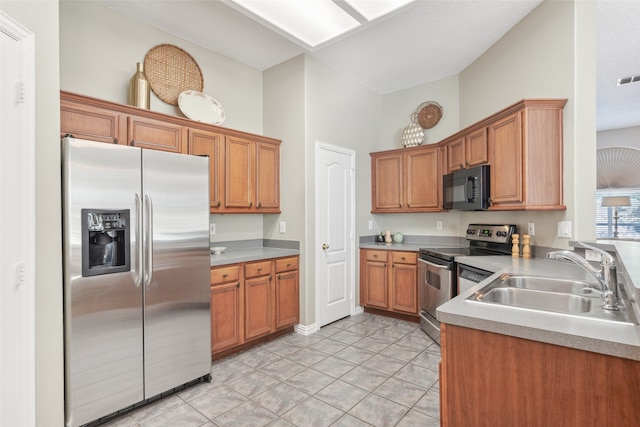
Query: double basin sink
559	296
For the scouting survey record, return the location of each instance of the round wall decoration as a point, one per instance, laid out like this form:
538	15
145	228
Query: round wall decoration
427	115
170	71
412	136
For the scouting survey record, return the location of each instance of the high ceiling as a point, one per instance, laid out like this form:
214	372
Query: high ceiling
420	43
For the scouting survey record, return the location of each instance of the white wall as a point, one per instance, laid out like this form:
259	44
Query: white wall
550	53
41	17
99	48
626	137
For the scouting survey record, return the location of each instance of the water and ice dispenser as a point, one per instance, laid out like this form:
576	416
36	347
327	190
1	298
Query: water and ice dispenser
105	242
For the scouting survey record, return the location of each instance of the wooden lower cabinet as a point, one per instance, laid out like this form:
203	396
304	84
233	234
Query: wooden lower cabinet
258	299
287	292
389	280
249	302
227	308
488	379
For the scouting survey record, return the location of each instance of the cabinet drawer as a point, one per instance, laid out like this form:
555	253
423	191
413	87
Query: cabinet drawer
376	255
405	257
286	264
257	269
225	274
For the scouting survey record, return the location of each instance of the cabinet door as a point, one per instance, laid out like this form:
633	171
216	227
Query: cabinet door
475	146
226	316
94	124
455	155
268	177
239	173
386	182
258	307
404	288
155	134
287	299
376	289
505	142
423	179
203	143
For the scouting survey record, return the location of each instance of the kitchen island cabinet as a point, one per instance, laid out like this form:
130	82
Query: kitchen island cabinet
244	168
519	382
388	281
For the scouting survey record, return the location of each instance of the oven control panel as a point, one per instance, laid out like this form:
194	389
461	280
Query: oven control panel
490	233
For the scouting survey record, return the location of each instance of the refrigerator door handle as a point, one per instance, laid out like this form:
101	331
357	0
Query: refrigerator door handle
139	242
149	240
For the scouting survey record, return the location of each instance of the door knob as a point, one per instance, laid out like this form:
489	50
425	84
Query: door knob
325	246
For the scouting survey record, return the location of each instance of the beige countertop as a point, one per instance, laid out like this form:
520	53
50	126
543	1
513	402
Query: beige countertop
615	339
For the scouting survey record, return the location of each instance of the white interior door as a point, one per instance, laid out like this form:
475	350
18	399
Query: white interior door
335	217
17	226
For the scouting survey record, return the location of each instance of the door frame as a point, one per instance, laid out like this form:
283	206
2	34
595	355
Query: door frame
352	220
23	397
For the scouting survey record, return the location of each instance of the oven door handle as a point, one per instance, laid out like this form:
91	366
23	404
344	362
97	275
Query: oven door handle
443	267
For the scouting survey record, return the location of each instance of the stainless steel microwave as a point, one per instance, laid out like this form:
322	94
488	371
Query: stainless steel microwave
466	189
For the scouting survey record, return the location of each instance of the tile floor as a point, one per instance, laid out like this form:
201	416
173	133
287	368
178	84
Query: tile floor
364	370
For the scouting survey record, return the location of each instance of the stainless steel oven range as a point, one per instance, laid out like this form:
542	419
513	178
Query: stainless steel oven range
437	272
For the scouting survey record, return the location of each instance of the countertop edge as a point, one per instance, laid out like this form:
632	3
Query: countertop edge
252	254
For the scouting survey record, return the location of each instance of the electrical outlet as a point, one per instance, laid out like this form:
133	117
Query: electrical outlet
370	224
564	229
592	255
439	225
532	229
283	227
212	228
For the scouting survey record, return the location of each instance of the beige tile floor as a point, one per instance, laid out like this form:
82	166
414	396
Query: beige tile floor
364	370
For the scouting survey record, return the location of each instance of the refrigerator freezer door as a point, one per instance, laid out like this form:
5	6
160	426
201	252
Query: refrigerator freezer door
177	337
102	313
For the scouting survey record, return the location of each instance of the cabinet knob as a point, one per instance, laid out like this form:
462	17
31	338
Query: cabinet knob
279	276
259	269
238	285
461	166
219	203
225	276
115	140
259	204
250	204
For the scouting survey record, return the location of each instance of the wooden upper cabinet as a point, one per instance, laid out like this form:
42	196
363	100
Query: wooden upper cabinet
406	181
386	182
476	150
156	134
244	168
268	177
203	143
423	183
506	168
455	155
239	173
467	151
92	123
526	157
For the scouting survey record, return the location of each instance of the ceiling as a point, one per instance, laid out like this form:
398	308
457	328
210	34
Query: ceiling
423	42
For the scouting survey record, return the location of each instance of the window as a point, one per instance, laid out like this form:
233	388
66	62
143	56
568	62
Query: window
628	216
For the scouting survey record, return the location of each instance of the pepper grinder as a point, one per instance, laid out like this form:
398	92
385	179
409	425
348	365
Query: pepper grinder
526	249
515	249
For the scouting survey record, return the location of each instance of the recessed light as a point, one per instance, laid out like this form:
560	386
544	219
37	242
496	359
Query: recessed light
627	80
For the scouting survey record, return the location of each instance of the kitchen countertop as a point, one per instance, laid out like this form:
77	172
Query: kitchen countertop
615	339
253	250
414	243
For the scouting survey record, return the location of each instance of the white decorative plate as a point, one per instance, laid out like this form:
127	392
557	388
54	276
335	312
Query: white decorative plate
201	107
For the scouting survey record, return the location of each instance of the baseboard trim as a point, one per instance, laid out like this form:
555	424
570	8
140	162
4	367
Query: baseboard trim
306	329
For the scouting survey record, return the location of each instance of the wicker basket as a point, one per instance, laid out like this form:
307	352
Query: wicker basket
427	115
170	71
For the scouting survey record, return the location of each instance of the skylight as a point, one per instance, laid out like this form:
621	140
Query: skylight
314	22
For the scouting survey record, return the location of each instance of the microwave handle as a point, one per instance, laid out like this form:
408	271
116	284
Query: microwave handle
468	186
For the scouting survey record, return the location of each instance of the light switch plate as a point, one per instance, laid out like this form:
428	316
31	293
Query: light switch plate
370	224
532	229
564	229
439	225
212	228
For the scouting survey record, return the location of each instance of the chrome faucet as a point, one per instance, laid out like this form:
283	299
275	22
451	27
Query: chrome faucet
606	275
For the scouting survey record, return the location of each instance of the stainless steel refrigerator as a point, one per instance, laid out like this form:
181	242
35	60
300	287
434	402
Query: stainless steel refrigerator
136	275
